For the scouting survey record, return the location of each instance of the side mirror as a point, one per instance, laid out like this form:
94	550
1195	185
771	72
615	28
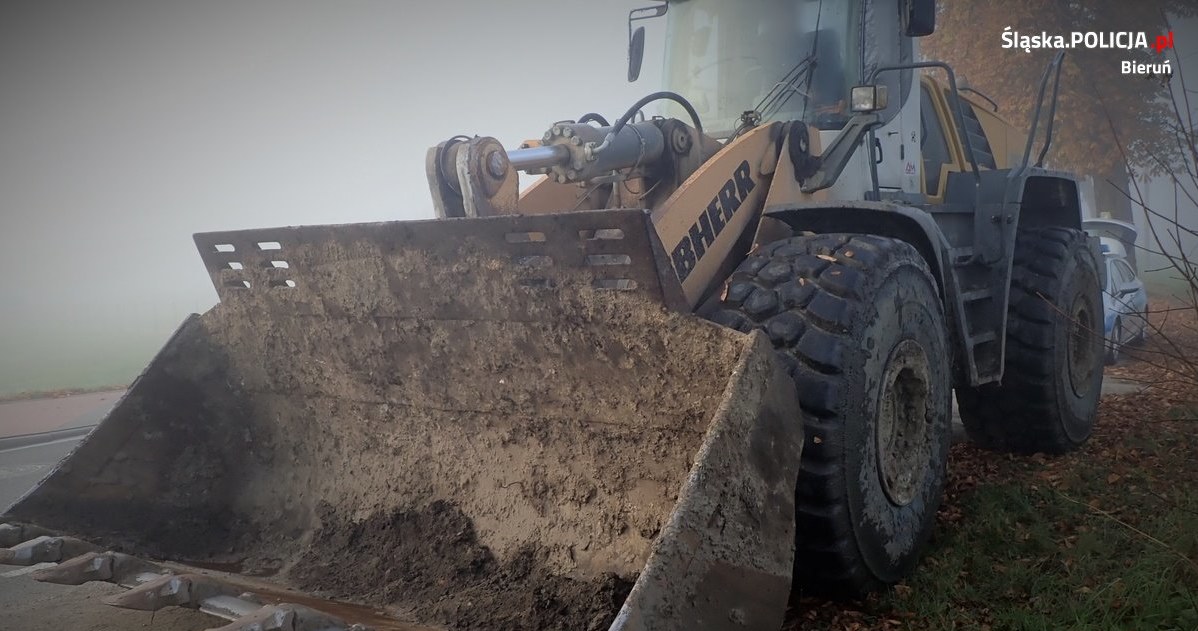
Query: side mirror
636	53
919	17
636	39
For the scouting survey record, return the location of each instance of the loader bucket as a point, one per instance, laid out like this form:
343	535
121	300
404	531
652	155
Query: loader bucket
496	423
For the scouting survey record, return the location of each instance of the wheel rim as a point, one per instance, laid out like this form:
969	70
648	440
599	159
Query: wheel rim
904	423
1083	360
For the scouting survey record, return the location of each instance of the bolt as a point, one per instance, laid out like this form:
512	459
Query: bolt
557	130
995	219
567	132
547	137
497	164
562	179
572	174
576	141
682	141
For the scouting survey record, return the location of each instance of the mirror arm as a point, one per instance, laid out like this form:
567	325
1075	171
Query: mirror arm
636	39
836	157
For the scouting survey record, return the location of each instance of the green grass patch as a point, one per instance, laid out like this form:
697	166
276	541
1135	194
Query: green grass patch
1106	538
1035	557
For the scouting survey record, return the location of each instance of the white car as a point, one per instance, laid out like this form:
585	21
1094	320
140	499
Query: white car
1124	300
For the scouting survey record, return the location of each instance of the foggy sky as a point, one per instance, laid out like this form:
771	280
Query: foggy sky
128	125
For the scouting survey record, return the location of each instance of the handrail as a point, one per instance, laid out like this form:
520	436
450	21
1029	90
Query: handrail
958	111
1055	64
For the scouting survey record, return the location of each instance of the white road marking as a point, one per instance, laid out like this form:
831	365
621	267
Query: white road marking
16	471
49	442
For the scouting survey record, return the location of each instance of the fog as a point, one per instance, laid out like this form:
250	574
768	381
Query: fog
1163	208
128	125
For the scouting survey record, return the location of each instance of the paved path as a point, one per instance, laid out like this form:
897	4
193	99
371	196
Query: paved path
23	462
31	606
23	467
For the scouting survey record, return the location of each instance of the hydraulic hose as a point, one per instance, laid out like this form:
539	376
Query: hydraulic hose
656	96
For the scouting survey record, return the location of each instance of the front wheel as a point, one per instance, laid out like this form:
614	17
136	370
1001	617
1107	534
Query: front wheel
860	324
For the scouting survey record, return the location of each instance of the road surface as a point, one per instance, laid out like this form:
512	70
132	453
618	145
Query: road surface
43	432
36	433
57	425
22	467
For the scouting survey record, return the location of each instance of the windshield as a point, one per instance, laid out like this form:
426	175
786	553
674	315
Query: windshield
786	59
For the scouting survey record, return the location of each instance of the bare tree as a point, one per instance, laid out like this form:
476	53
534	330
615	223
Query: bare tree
1172	349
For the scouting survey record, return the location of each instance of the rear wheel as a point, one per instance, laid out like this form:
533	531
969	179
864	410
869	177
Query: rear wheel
1048	398
859	322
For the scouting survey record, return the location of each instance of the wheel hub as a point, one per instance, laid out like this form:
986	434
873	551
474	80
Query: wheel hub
904	423
1083	360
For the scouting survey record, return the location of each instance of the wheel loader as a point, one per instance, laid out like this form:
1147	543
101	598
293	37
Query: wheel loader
704	360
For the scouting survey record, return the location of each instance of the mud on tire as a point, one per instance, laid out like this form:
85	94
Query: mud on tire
1052	378
860	325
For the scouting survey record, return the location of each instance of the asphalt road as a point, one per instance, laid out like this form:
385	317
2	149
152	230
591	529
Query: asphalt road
36	433
31	606
22	467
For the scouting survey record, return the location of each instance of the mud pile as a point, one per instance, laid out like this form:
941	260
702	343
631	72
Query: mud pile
430	567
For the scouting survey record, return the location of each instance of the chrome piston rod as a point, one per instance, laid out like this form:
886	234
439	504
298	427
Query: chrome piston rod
539	157
564	150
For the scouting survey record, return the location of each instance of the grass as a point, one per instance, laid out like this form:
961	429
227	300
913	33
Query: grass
1106	538
1084	549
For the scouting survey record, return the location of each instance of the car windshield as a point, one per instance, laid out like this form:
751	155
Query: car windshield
787	59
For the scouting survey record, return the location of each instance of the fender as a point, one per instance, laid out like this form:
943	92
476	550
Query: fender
907	223
911	224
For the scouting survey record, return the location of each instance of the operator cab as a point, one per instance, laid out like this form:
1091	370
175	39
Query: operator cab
785	59
761	61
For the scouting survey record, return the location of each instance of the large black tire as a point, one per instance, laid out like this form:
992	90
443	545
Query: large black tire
860	325
1052	378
